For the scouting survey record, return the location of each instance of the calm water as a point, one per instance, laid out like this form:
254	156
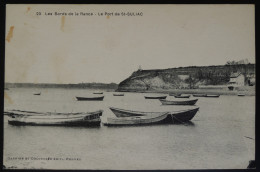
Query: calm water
215	140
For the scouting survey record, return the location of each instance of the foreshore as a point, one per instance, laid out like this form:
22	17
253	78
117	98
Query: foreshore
246	90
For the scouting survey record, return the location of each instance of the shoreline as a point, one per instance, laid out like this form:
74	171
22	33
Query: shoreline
248	91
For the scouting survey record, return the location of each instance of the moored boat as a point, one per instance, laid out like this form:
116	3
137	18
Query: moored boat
182	96
240	94
90	98
206	95
174	102
54	119
155	97
175	94
98	93
199	95
145	118
37	94
212	95
118	94
127	113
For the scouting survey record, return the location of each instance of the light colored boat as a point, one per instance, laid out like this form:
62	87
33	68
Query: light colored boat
175	94
206	95
145	118
54	119
212	95
182	96
137	120
240	94
185	102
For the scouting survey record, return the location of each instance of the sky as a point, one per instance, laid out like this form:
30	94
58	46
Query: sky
75	49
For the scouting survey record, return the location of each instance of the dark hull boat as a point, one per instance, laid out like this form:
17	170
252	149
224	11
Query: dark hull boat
148	118
37	94
118	94
175	94
199	95
54	119
90	98
184	96
128	113
98	93
186	102
155	97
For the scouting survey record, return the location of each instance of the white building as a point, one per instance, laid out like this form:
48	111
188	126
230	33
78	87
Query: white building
237	79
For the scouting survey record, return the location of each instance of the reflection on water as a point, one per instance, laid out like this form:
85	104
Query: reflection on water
214	139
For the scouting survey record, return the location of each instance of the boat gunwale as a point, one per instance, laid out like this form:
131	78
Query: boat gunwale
51	113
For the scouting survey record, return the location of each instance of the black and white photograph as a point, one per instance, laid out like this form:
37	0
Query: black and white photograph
129	87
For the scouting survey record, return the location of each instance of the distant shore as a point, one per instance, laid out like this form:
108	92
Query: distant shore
247	90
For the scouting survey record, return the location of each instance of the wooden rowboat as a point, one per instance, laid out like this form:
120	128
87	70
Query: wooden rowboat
206	95
199	95
182	96
145	118
127	113
90	98
54	119
98	93
118	94
213	96
155	97
186	102
175	94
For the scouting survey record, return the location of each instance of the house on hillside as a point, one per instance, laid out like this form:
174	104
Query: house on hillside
237	79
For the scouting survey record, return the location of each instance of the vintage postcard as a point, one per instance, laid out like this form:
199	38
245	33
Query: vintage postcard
129	87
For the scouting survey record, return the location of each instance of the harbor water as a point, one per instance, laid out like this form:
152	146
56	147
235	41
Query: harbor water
220	136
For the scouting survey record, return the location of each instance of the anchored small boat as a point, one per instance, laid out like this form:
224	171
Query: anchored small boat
145	118
175	94
155	97
98	93
206	95
185	102
199	95
18	117
90	98
127	113
37	94
182	96
118	94
240	94
213	96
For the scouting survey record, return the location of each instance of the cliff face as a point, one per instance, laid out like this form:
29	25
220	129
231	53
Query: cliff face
183	77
